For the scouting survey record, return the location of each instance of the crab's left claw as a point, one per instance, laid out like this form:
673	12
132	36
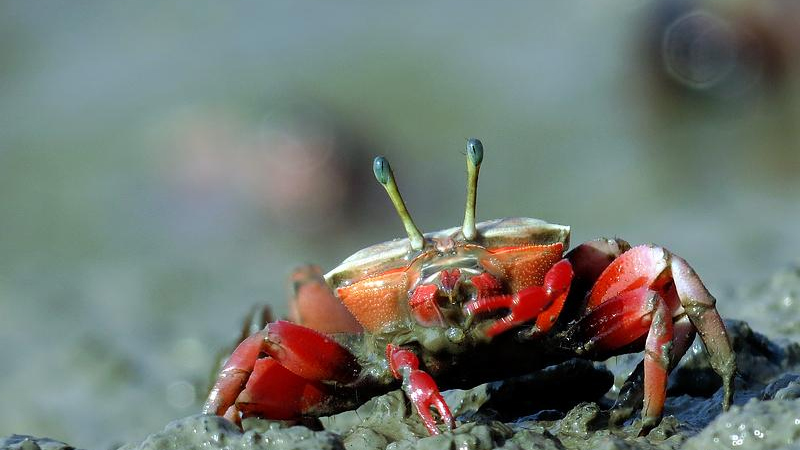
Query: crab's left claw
286	384
542	303
419	387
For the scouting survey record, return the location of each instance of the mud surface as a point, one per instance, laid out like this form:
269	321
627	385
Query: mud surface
563	407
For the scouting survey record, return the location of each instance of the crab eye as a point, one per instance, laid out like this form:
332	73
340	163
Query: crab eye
381	169
475	151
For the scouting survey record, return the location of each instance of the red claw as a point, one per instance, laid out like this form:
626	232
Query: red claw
486	284
288	382
423	305
419	387
309	354
542	303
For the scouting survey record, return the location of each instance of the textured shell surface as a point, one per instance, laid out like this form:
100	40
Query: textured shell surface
505	232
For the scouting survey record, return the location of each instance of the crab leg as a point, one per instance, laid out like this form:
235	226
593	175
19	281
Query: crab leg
313	304
542	303
623	320
419	387
649	287
591	258
305	353
656	365
699	305
631	394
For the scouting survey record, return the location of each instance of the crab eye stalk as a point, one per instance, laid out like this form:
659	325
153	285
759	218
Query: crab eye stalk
474	159
384	175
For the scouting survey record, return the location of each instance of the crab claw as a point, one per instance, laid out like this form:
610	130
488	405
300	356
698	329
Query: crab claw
419	387
542	303
299	360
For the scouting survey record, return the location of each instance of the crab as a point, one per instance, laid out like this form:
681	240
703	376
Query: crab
470	304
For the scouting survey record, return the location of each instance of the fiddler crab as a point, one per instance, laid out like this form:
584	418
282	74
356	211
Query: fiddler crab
471	304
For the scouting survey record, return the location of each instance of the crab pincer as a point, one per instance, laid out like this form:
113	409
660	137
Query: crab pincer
287	383
540	303
419	387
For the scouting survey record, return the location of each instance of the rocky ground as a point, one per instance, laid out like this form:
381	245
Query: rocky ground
555	413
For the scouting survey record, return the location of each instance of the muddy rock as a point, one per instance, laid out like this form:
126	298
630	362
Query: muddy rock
757	425
564	407
212	432
773	306
560	408
20	442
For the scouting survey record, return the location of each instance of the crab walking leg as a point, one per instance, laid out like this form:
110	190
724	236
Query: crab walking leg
699	306
304	352
654	268
623	320
419	387
656	365
631	394
313	304
591	258
542	303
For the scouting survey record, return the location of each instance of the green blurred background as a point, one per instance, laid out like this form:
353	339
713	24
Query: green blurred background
163	167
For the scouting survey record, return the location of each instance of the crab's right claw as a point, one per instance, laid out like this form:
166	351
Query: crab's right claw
419	387
540	303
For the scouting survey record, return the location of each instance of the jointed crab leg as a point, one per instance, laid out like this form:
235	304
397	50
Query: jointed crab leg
631	394
699	305
313	304
656	363
649	287
419	387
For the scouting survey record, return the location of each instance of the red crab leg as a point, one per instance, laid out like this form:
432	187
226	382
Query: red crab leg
656	365
306	353
542	303
655	266
623	320
419	387
631	393
313	304
591	258
631	293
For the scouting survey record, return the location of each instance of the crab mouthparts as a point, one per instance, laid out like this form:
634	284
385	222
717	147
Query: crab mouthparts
438	299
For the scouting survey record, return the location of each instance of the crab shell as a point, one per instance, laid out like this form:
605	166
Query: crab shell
373	282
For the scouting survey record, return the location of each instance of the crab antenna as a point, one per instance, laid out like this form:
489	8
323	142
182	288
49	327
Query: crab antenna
384	175
474	159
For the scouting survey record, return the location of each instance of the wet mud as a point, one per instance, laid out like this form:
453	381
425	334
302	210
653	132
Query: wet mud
564	407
